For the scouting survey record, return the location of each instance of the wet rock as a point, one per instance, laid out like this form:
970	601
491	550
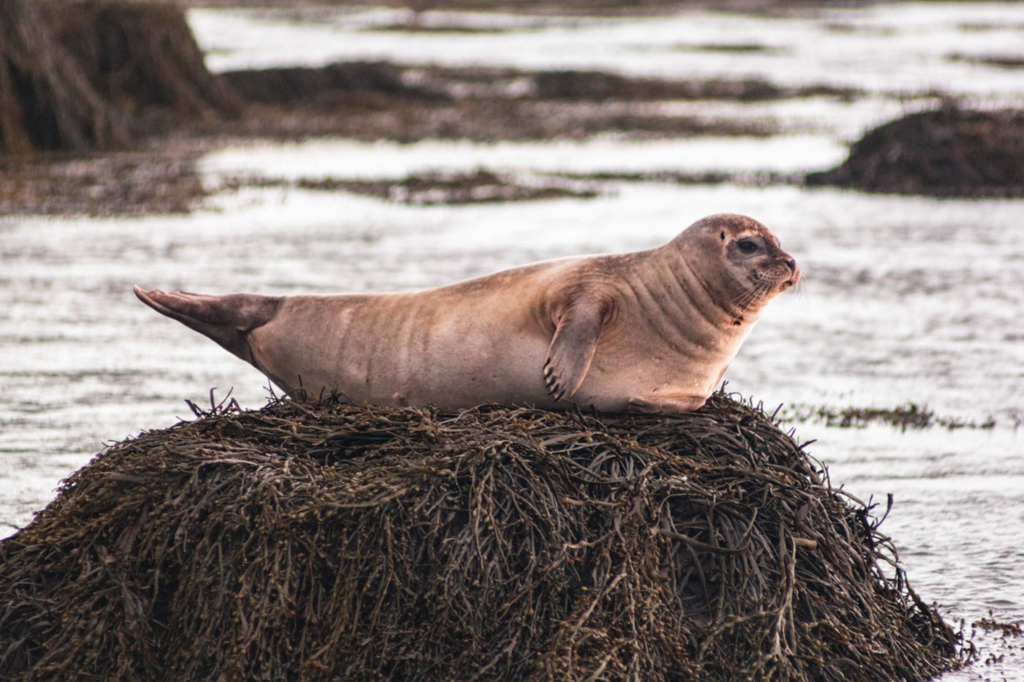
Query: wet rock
97	75
326	541
948	152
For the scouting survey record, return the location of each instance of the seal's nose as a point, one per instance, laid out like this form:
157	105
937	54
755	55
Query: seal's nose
791	263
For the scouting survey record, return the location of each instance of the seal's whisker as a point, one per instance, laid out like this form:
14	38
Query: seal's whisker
742	301
748	297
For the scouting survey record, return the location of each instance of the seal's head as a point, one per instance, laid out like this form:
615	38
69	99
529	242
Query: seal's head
738	260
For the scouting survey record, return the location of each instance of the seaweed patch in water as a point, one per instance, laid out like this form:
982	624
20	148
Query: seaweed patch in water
479	186
990	624
740	48
333	541
742	178
1006	630
1000	61
911	416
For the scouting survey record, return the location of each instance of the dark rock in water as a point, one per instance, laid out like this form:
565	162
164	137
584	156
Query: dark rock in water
949	152
82	76
334	541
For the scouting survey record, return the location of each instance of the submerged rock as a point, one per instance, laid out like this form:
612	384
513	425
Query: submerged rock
356	542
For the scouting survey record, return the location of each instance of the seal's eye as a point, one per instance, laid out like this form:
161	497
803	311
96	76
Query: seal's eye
747	245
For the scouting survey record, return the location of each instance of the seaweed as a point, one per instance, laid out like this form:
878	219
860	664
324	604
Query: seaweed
480	186
324	540
909	415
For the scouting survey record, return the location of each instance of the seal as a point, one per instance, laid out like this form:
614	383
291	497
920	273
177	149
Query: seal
651	331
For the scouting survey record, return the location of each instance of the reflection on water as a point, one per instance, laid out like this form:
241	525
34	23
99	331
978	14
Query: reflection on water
905	299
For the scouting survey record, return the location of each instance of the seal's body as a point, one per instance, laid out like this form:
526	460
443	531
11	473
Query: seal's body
652	331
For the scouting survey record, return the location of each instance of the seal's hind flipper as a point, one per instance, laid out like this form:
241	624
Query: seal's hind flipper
225	319
572	349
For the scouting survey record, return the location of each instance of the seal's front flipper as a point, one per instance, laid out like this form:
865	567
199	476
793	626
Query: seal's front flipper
225	319
572	349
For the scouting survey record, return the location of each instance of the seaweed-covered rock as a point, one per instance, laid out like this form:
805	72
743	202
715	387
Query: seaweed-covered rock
349	542
946	152
80	76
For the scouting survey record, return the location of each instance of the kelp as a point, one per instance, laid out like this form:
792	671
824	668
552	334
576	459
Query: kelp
330	541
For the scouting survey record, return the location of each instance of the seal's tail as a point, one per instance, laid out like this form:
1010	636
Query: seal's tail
225	319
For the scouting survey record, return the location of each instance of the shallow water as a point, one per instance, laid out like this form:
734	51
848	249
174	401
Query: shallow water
904	300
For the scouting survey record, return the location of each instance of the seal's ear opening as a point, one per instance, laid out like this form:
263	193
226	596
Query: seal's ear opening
723	236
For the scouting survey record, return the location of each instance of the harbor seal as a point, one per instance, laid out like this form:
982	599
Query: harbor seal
651	331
